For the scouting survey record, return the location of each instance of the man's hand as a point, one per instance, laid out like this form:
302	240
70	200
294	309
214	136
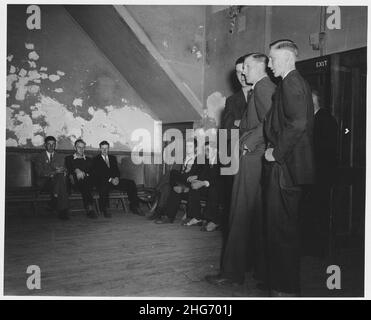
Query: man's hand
269	155
79	174
197	184
115	181
191	178
60	169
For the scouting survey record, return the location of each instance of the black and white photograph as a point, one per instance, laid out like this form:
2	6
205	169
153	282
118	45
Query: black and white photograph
185	150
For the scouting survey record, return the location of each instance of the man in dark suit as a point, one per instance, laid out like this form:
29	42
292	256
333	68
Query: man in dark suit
205	183
236	103
325	134
315	220
107	176
289	167
179	185
235	106
51	176
79	171
244	248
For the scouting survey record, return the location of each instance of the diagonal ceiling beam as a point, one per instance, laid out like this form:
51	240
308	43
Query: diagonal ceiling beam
122	40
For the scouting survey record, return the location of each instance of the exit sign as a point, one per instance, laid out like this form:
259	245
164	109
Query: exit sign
321	63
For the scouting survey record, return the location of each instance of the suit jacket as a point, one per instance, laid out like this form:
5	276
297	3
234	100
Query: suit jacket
234	107
101	172
259	103
44	168
289	129
194	171
210	173
325	139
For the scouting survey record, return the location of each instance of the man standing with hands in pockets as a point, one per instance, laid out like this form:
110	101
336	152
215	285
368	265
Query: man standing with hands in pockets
244	247
289	167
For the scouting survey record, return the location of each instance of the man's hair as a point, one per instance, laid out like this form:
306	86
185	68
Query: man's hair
240	60
49	138
285	44
260	57
103	143
80	141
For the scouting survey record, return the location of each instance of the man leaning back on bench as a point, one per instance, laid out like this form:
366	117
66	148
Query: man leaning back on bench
55	171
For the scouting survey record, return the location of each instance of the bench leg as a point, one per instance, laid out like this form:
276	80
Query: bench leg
124	205
96	202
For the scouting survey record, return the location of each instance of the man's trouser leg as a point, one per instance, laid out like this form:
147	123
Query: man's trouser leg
283	242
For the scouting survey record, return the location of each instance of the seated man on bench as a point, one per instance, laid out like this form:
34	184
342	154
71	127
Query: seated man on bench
179	184
206	184
51	176
79	171
107	177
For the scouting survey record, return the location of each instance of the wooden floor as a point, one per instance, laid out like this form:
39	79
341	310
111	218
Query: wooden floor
129	255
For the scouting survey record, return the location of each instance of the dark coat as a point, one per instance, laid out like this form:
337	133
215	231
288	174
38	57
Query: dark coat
44	168
234	107
325	139
289	129
101	172
84	165
259	103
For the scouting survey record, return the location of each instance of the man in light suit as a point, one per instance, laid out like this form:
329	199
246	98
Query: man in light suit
244	247
106	176
235	106
51	176
289	167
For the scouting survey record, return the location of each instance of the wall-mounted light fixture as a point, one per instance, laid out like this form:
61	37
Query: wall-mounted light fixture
197	46
233	14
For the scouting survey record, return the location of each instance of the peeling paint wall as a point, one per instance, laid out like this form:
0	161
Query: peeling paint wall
59	83
177	32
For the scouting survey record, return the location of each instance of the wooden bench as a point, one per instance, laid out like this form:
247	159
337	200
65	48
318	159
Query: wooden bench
34	196
21	189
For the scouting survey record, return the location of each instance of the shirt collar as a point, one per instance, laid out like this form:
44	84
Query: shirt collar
285	75
76	156
212	160
253	86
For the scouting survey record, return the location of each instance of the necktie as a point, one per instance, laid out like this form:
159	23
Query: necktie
243	123
51	158
106	160
249	94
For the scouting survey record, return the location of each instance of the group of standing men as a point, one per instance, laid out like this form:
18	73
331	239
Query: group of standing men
276	163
